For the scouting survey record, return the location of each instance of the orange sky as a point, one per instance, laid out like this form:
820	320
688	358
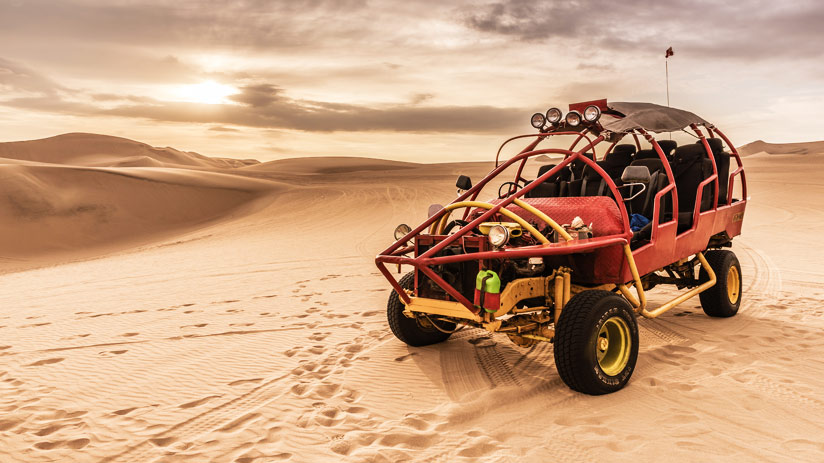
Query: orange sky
423	80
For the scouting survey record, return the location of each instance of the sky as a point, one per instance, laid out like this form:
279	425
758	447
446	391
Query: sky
424	81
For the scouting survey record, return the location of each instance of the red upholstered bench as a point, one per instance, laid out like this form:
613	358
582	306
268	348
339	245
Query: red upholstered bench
599	266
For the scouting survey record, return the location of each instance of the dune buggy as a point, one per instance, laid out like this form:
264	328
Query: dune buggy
568	257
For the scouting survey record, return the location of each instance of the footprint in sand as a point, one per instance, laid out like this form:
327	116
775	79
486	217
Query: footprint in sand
319	336
241	382
198	402
199	325
31	325
46	362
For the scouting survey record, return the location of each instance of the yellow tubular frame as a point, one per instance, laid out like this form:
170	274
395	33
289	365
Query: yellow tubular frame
641	306
441	224
532	209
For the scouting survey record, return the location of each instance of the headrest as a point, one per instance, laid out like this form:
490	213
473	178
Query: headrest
635	174
667	146
589	173
544	169
647	154
621	155
716	145
653	164
624	148
689	153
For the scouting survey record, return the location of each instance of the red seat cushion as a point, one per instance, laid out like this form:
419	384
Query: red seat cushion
600	211
600	266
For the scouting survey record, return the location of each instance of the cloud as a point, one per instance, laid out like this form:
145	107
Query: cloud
261	105
16	78
738	30
273	111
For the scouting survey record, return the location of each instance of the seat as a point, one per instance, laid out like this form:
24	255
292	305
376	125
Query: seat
690	167
667	146
646	154
551	187
614	164
577	167
722	163
596	267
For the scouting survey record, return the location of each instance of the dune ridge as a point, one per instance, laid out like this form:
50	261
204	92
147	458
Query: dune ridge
760	146
79	195
88	149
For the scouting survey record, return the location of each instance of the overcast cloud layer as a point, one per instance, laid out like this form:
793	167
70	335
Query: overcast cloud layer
346	77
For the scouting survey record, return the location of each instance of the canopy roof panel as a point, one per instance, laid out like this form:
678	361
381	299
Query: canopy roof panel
648	116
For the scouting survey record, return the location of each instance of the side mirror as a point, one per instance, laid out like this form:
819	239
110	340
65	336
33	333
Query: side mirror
463	183
401	231
635	174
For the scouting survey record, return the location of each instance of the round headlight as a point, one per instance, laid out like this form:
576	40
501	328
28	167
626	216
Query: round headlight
592	113
538	120
498	236
573	118
401	231
554	115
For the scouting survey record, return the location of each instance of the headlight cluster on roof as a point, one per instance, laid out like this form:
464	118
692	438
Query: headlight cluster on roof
573	118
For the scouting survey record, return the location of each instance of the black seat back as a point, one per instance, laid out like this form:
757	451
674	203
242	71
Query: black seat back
667	146
644	204
722	163
646	154
690	167
551	187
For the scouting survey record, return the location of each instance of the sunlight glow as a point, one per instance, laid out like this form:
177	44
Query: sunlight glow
208	92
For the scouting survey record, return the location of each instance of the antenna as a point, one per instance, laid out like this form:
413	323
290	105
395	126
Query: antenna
669	53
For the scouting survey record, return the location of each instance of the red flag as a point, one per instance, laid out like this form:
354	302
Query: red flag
669	52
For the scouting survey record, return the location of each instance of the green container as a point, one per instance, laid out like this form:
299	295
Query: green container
493	284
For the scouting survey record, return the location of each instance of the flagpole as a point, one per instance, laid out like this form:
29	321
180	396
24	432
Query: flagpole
666	70
667	54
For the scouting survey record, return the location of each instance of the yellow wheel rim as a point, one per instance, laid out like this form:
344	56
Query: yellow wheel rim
733	284
613	346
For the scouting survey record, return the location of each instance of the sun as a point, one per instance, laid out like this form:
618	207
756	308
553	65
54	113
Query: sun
208	92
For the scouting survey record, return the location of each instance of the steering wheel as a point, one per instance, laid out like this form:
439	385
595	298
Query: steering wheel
513	187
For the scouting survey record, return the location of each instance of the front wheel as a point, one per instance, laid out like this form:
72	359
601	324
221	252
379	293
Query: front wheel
596	342
723	299
414	331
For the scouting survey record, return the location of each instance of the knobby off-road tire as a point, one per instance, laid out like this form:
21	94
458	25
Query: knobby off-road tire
723	299
414	331
596	342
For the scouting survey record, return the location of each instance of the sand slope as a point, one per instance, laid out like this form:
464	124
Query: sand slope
86	149
760	146
263	338
56	208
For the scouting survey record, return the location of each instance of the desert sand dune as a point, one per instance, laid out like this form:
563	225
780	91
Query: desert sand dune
87	149
56	208
329	165
760	146
262	338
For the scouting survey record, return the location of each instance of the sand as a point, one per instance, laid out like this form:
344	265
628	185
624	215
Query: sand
231	313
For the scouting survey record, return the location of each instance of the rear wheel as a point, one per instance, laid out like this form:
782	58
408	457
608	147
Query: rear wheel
413	331
723	299
596	342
